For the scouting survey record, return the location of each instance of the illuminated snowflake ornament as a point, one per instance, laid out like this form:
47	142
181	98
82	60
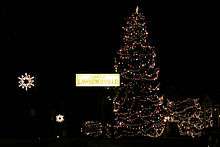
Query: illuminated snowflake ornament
26	81
59	118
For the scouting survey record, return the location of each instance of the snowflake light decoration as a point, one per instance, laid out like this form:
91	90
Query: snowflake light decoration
59	118
26	81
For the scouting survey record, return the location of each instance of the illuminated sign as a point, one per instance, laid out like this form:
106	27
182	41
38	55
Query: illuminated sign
97	80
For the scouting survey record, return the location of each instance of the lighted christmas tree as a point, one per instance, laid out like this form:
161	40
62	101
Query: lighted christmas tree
138	107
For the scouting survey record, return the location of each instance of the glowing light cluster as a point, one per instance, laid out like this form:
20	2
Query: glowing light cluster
191	118
96	129
26	81
59	118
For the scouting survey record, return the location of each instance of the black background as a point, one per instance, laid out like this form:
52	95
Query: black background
56	40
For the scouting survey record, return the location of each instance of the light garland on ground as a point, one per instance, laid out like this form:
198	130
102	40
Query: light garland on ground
192	119
96	129
92	128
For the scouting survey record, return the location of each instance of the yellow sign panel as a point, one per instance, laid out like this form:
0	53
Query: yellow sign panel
97	80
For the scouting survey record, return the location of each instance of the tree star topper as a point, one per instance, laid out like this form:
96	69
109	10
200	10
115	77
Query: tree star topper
26	81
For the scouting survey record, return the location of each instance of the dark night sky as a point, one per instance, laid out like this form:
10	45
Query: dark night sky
57	40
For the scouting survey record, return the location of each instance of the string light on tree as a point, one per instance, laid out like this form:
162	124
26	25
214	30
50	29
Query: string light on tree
191	118
138	106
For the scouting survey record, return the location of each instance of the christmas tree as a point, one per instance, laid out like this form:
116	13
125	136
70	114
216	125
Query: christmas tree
138	107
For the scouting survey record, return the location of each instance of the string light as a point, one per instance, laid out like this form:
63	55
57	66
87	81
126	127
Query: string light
96	129
191	118
26	81
138	106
